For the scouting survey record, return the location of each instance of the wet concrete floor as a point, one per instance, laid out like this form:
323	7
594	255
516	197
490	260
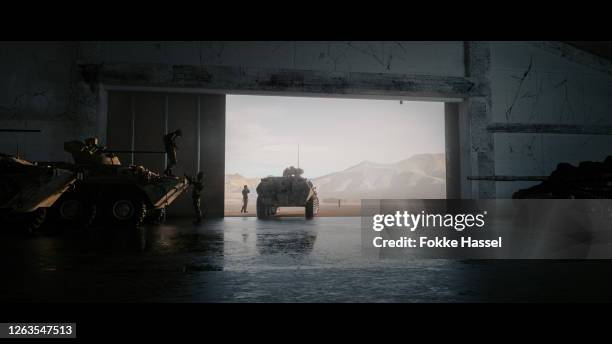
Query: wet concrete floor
278	260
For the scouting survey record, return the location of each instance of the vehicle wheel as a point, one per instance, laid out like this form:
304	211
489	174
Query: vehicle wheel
309	213
34	220
71	211
261	209
24	223
127	212
312	207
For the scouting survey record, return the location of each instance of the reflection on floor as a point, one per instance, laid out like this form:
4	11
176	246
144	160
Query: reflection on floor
278	260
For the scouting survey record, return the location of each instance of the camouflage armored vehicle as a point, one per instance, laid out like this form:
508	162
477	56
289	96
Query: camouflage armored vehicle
588	180
290	190
28	190
122	195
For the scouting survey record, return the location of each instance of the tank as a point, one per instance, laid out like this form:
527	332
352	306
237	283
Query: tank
588	180
28	190
290	190
106	190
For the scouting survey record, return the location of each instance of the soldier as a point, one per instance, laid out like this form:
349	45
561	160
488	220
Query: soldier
245	199
196	194
171	147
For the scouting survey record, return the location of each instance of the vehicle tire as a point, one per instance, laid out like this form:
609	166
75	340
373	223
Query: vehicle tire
72	210
310	209
262	210
126	211
31	222
23	223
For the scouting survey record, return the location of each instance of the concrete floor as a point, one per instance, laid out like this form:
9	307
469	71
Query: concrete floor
278	260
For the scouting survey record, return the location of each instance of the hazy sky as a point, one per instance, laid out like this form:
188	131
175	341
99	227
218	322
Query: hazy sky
263	133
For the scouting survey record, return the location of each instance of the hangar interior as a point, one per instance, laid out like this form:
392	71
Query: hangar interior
506	101
511	109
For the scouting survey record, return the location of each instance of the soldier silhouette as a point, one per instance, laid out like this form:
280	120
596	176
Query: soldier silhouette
245	199
196	195
171	147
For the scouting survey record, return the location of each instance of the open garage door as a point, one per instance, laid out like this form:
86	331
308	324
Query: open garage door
137	121
350	149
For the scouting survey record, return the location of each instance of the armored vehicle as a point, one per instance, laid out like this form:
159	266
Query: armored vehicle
107	190
588	180
290	190
28	190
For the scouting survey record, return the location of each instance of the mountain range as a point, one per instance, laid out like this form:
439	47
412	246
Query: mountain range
420	176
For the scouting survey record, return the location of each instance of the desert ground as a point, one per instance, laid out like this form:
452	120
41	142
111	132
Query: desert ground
232	208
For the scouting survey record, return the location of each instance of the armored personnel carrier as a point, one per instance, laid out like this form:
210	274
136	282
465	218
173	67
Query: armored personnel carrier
107	190
290	190
588	180
28	190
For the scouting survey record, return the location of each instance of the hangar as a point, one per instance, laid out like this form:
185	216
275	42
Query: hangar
511	108
504	100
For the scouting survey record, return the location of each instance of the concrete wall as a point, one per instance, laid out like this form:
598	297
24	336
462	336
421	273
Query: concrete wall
534	83
427	58
60	87
37	93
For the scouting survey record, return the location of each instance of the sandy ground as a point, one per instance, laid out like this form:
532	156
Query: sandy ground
232	208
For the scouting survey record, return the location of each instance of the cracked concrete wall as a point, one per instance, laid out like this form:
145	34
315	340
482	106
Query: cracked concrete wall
537	84
426	58
516	82
45	88
40	90
477	143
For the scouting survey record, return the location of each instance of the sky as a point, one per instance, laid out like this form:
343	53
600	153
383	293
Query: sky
263	133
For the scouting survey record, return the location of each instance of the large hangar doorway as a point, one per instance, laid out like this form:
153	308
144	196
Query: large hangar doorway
351	149
137	121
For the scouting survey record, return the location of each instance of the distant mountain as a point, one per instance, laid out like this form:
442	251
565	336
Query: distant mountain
420	176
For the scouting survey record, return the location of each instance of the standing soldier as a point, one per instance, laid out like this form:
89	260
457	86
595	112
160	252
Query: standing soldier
171	147
196	194
245	199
